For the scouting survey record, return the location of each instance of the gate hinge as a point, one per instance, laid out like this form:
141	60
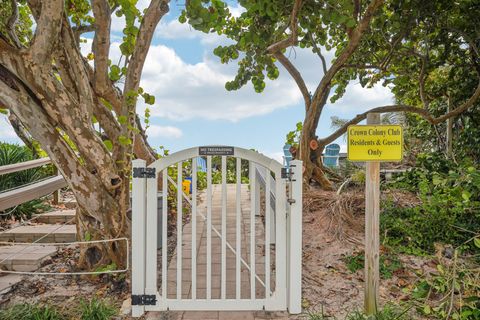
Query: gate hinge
144	173
144	299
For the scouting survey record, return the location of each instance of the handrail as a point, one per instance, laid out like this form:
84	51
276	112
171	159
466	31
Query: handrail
15	197
15	167
18	196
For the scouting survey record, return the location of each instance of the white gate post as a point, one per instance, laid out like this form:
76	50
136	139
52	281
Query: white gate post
139	188
295	239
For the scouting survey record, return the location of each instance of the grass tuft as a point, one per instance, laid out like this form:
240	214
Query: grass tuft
96	309
30	312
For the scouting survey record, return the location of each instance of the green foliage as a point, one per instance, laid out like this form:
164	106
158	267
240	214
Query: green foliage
109	267
217	173
453	292
449	212
24	25
93	309
389	312
10	154
96	309
30	312
293	137
389	264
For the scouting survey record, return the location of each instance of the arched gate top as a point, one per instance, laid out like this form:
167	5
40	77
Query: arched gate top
236	152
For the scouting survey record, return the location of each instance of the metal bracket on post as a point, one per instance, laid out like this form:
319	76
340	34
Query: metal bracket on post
149	173
144	300
287	173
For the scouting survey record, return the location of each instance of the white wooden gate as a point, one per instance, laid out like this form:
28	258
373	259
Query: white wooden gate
247	272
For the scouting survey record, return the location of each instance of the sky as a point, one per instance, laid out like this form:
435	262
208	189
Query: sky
193	108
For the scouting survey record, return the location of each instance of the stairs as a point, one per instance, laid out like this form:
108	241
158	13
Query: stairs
48	233
56	217
19	256
24	258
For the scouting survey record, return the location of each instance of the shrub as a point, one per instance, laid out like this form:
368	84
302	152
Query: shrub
453	292
389	263
389	312
449	212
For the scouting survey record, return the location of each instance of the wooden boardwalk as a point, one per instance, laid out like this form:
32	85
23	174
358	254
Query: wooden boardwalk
216	247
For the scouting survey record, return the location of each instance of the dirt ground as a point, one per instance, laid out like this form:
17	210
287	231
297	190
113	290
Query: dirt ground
333	229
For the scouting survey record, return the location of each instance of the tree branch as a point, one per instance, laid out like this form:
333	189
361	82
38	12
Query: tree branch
457	111
421	79
11	23
47	32
107	121
318	52
295	75
21	132
321	93
79	30
101	42
155	11
292	38
403	108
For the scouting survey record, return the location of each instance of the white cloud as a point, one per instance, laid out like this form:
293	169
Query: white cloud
184	91
175	30
118	23
237	10
155	131
358	99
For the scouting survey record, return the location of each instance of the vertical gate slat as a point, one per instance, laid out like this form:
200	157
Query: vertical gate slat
281	240
252	229
194	228
209	227
238	229
164	232
267	234
179	229
224	227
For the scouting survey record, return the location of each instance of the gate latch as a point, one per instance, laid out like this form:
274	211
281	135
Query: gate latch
287	173
143	300
144	173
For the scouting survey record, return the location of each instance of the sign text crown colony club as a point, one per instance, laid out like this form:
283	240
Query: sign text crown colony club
375	143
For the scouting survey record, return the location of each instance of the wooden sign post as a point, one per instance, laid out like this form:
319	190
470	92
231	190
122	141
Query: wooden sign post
372	228
372	144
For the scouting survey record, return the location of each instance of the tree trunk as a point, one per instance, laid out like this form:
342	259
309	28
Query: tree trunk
449	142
312	159
54	93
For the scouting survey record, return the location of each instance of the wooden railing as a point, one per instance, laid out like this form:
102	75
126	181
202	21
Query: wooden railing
15	197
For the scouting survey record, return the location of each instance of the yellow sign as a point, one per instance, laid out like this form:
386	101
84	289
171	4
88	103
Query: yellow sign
375	143
186	186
